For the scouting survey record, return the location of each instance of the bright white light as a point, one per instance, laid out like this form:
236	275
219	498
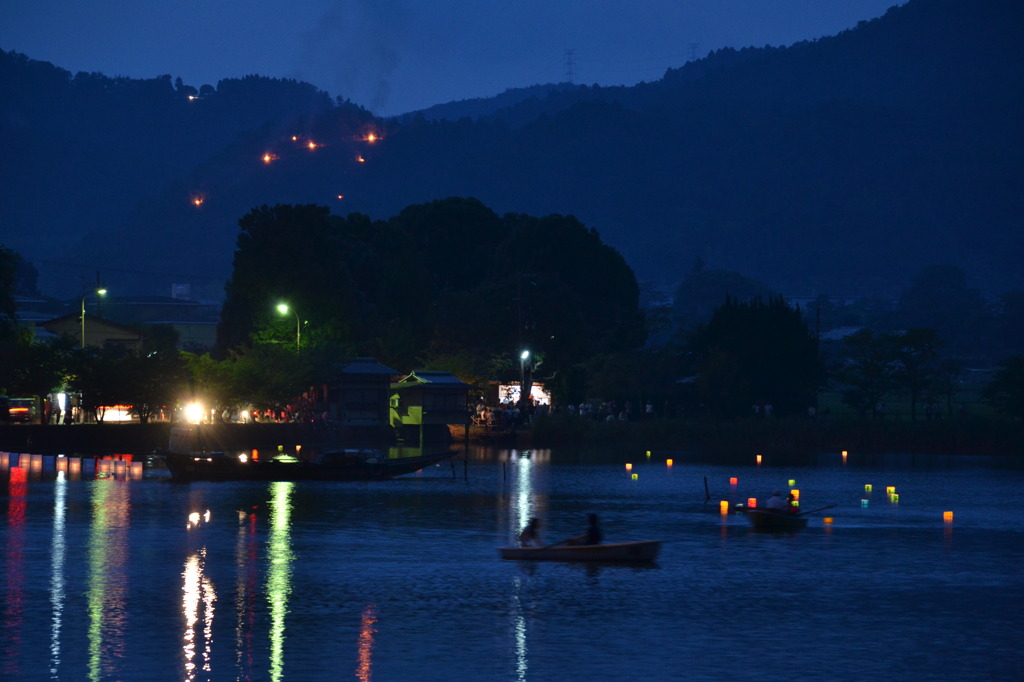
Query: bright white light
194	413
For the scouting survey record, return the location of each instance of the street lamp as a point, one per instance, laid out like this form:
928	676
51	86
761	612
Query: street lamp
523	357
284	309
99	291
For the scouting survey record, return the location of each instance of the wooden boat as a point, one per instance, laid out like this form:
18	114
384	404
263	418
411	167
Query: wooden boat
336	465
636	552
767	520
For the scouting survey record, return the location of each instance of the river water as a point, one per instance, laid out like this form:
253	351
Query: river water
133	577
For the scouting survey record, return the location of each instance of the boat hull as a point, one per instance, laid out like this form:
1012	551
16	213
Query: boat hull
627	552
220	467
764	520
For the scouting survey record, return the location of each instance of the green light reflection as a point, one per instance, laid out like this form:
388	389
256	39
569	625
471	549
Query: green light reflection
279	573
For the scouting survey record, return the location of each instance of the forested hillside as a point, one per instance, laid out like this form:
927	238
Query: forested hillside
842	165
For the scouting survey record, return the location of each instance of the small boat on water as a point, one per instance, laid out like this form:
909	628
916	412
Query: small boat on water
335	465
767	520
636	552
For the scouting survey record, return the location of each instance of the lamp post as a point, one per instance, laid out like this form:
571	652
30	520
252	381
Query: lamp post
283	308
523	357
100	292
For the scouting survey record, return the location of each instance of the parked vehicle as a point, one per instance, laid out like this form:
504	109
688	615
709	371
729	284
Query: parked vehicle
19	410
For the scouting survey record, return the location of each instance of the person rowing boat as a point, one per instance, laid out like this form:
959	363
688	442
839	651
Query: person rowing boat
593	536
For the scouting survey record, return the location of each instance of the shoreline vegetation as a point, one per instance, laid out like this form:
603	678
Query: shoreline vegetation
728	440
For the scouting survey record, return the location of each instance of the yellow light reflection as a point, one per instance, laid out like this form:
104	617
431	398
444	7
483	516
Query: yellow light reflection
364	671
279	573
198	598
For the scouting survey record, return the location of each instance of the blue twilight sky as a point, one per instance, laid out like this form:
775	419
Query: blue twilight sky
393	56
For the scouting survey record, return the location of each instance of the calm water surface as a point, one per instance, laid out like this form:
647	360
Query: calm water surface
144	579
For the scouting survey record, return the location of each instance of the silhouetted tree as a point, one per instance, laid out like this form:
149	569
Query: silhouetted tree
1005	392
757	353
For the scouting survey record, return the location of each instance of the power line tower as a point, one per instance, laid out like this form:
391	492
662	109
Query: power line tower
569	75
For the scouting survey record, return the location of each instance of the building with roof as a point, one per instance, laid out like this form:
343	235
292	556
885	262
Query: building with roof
424	403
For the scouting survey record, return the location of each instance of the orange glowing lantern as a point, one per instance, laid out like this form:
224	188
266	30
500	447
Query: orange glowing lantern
341	196
947	516
360	159
795	493
723	506
752	502
312	145
759	460
198	200
629	467
668	462
255	455
844	456
295	138
733	480
827	520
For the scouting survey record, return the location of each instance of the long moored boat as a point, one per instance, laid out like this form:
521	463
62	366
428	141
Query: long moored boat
336	465
637	551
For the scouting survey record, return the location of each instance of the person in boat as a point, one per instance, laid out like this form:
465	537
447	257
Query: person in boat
777	503
529	536
593	536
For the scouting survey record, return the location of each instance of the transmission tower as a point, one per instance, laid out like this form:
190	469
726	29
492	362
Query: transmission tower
570	66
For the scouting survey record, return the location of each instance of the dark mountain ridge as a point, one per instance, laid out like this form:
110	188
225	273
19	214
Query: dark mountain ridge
841	165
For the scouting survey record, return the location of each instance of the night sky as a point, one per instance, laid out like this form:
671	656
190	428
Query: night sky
393	56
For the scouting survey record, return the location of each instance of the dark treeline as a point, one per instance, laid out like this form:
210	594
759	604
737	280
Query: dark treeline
451	285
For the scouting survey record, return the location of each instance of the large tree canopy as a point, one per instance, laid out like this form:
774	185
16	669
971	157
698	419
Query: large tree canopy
447	284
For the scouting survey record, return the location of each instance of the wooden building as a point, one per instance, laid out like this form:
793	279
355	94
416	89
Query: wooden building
424	403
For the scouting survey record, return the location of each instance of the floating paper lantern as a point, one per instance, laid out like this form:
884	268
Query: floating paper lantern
792	482
668	462
890	489
795	493
759	459
947	516
723	506
752	502
636	476
648	454
863	503
867	487
733	480
894	498
629	467
136	469
844	456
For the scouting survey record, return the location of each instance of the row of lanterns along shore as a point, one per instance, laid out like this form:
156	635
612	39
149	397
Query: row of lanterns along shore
725	506
116	466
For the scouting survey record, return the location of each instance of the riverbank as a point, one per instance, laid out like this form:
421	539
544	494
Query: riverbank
787	437
726	439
